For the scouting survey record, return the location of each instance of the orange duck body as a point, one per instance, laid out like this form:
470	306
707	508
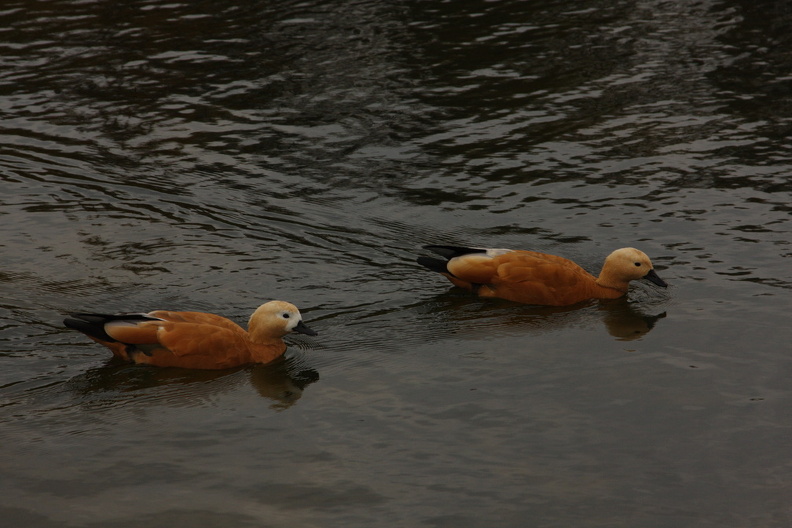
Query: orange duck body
538	278
193	340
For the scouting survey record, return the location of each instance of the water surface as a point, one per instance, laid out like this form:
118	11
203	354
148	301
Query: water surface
212	156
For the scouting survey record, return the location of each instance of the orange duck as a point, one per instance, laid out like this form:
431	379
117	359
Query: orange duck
538	278
194	340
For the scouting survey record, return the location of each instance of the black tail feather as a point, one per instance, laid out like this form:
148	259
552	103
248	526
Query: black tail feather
433	264
92	324
89	324
450	252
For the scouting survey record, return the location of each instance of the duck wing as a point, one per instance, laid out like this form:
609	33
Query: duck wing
529	277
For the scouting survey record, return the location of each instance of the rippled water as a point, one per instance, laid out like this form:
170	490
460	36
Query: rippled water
214	155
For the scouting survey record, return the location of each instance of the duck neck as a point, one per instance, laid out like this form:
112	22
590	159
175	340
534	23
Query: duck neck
263	336
265	353
606	281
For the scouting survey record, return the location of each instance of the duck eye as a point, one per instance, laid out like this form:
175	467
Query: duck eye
286	316
637	264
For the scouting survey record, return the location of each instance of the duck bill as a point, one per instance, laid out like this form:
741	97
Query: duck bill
652	277
302	328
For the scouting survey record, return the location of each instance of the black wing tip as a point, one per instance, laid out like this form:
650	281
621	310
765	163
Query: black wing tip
131	316
89	324
450	252
92	324
433	264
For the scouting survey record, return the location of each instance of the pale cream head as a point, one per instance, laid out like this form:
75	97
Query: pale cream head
622	266
273	320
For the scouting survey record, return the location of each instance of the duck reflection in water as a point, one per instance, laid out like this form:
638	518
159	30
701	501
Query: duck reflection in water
624	322
623	318
282	381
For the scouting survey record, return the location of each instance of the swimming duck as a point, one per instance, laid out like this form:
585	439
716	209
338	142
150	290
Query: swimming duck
194	340
538	278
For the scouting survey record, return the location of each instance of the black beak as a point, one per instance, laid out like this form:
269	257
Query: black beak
302	328
652	277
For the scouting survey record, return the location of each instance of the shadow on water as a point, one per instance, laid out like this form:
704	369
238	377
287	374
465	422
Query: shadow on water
283	382
625	319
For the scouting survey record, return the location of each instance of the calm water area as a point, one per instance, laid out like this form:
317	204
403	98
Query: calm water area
213	155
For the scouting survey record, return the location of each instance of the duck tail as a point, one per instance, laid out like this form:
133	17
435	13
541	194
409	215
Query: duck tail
433	264
450	252
92	324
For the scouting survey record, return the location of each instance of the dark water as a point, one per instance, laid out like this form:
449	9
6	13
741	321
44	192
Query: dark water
215	155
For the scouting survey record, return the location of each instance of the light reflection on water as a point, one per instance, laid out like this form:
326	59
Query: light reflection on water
214	156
